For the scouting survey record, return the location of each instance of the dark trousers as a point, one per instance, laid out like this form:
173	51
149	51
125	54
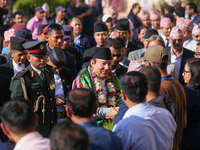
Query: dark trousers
1	43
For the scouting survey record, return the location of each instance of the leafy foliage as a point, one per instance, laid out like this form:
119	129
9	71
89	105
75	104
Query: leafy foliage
28	6
108	124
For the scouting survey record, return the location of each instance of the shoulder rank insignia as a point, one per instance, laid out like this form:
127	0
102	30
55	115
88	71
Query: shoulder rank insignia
22	71
46	70
32	74
11	58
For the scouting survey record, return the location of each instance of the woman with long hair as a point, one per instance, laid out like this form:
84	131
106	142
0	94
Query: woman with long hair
191	133
135	10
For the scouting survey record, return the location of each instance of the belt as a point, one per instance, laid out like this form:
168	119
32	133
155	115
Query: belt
60	115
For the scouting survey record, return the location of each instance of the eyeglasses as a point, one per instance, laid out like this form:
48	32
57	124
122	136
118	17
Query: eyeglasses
196	36
196	55
179	40
184	71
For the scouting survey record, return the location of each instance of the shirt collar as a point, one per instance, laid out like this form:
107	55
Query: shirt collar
77	37
172	53
192	18
15	65
37	70
126	44
133	110
36	19
60	23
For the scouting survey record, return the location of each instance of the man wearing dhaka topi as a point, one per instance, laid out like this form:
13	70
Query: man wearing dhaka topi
98	77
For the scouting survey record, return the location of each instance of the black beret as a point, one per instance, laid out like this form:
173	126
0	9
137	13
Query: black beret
41	28
36	48
122	24
121	40
100	26
102	53
150	32
57	57
16	43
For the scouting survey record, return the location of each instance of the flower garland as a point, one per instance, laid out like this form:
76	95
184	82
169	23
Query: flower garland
111	90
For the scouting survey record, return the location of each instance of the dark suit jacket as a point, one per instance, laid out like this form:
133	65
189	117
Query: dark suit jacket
134	20
87	55
85	41
120	71
52	21
131	47
186	55
7	69
196	20
4	96
2	60
67	79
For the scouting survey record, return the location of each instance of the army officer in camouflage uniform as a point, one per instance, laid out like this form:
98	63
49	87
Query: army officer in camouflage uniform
36	83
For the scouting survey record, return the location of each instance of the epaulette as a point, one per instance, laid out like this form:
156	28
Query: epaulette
20	73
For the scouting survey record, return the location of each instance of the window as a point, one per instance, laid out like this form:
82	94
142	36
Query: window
117	3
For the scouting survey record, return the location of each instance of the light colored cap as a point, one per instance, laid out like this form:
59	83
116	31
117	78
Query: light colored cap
165	22
145	15
176	31
173	2
196	30
8	34
154	15
45	7
106	16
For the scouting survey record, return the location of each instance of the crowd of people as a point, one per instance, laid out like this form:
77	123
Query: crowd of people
62	79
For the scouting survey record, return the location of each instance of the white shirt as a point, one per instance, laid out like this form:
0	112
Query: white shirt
32	141
146	127
111	35
190	45
126	44
165	39
177	61
17	68
77	40
192	18
59	91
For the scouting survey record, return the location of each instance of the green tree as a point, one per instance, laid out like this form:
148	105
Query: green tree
28	6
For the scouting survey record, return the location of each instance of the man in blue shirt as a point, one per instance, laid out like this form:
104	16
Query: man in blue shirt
81	105
143	126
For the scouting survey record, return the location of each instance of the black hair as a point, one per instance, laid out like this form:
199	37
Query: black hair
194	65
134	85
81	102
170	9
17	13
114	43
170	16
68	136
133	6
180	11
17	114
121	40
153	77
54	27
81	1
161	66
141	27
192	6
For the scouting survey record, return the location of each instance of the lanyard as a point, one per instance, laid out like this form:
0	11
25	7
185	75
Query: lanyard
188	42
166	78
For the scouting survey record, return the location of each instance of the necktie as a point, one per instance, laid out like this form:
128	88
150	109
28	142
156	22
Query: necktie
42	75
167	43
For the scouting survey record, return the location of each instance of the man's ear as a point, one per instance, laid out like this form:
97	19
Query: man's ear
69	114
11	53
47	37
92	62
4	129
28	57
123	96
